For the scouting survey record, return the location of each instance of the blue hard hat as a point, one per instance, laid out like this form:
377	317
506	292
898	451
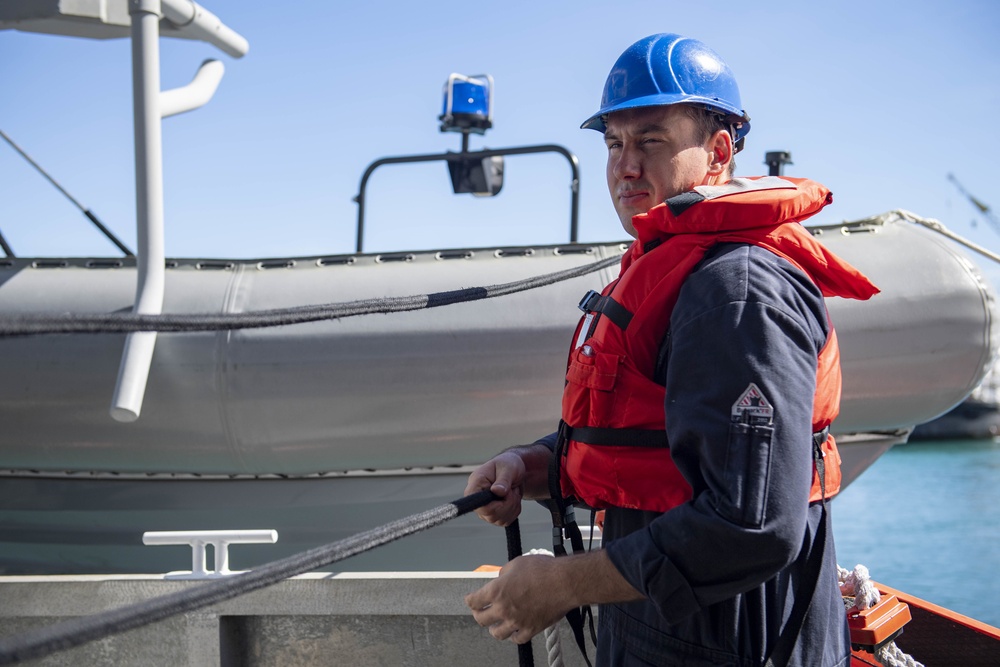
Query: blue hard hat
670	69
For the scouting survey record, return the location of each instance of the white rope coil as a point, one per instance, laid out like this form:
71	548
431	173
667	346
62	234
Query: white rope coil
857	583
553	646
891	655
539	552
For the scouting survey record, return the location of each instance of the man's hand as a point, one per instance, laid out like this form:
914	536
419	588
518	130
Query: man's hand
532	593
519	472
523	600
504	475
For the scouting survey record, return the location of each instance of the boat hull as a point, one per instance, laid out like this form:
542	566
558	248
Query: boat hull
444	386
322	430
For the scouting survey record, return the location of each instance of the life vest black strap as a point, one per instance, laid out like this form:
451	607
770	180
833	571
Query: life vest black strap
525	657
617	437
557	504
652	245
819	459
564	519
575	617
594	302
682	202
563	514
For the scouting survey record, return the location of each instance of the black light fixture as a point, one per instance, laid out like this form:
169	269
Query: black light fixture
776	160
468	109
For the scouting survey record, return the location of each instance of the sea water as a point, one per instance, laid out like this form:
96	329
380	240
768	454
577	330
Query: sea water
925	519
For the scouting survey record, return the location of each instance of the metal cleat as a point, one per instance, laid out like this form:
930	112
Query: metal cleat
199	539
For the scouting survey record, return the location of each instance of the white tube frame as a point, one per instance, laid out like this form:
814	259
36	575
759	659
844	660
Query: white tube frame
194	95
150	106
204	25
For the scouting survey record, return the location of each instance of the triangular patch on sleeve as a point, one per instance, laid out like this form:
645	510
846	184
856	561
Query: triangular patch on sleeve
752	405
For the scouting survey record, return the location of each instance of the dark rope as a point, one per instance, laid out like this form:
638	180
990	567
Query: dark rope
77	631
525	657
33	323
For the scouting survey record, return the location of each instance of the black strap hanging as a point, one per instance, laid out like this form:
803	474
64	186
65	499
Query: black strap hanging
564	524
525	657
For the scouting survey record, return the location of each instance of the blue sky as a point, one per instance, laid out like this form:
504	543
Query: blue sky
877	100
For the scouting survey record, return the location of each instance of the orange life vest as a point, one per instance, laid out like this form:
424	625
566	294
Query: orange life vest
612	448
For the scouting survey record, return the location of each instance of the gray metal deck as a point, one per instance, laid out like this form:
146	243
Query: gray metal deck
356	619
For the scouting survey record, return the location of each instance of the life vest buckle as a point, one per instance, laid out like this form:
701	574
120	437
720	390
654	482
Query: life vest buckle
587	302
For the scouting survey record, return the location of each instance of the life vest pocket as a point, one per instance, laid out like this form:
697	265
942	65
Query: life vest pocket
589	395
741	496
596	370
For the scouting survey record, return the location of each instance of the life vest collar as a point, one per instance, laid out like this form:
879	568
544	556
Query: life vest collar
757	206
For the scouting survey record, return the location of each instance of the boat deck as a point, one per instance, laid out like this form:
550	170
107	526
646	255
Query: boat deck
404	619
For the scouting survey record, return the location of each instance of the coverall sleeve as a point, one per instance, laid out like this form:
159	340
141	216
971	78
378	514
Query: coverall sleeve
745	319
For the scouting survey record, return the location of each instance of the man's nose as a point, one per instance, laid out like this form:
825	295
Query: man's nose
627	165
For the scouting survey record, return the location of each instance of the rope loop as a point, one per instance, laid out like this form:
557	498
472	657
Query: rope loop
935	226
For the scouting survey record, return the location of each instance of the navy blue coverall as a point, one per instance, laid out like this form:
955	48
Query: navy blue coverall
721	571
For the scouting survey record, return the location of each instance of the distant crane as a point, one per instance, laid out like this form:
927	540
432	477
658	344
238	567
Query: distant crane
983	208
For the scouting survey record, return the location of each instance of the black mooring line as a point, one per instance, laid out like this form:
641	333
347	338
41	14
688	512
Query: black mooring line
27	324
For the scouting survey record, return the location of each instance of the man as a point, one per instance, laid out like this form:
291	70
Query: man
700	388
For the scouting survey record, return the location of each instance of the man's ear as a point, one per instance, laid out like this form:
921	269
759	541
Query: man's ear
720	147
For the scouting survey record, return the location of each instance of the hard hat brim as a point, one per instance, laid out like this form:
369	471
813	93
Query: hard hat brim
734	115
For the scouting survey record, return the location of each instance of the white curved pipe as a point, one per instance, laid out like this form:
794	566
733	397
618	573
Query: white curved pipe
138	353
150	107
194	95
202	24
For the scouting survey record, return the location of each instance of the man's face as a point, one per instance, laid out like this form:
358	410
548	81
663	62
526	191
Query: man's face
654	153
